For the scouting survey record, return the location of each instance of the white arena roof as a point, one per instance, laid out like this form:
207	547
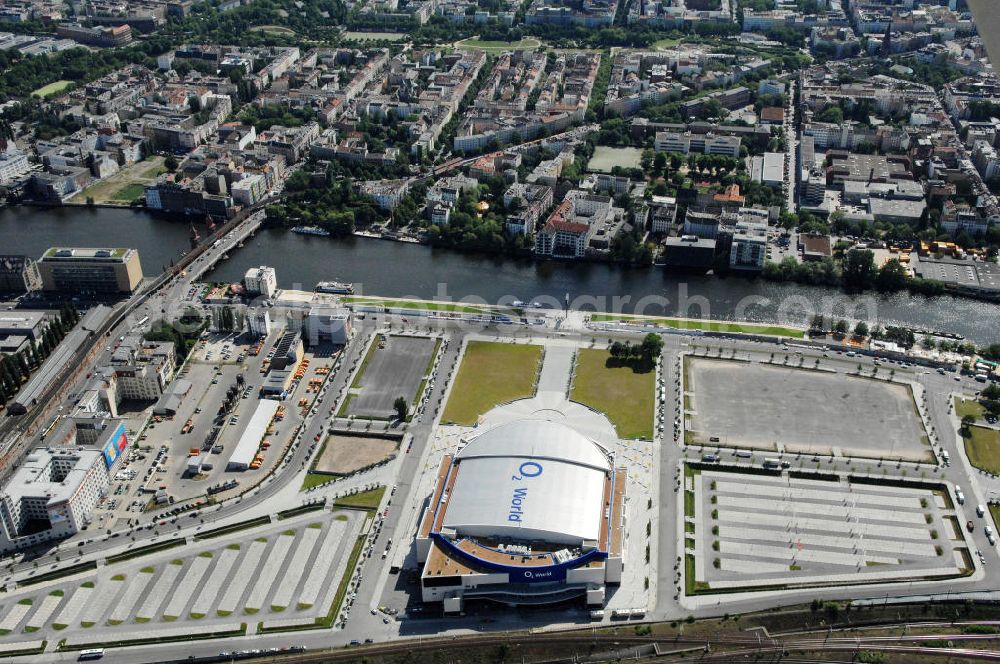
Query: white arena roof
529	480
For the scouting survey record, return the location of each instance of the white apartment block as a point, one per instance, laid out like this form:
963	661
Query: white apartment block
261	281
687	142
50	496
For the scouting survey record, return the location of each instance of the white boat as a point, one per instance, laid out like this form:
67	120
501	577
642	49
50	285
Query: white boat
335	287
311	230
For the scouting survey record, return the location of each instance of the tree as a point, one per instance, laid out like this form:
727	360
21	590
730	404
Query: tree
652	346
841	327
859	269
861	329
967	421
400	406
818	322
892	277
170	163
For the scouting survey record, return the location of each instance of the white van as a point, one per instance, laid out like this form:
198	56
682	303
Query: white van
959	495
980	510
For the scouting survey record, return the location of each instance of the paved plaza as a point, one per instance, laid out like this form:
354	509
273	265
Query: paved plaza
775	407
753	531
396	370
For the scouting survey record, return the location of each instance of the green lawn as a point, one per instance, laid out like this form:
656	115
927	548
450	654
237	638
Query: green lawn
626	396
130	192
965	407
666	43
366	499
315	479
709	326
487	45
983	449
491	374
51	89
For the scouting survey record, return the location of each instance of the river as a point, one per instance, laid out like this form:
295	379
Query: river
379	267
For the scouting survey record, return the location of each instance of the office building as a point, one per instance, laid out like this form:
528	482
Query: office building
90	271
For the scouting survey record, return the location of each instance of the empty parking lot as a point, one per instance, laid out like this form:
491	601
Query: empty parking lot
394	368
758	530
800	410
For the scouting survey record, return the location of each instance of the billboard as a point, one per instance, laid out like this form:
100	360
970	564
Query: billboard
115	446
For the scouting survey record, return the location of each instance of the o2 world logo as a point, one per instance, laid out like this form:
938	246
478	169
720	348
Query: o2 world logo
527	470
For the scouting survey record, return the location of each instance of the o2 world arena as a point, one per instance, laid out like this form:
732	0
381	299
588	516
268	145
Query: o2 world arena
528	512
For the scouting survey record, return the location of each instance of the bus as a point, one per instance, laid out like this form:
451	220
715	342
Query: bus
142	321
95	653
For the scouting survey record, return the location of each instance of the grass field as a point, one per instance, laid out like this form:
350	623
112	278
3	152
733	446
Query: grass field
486	45
666	43
273	29
315	479
983	449
130	192
374	36
625	396
124	186
491	374
368	500
605	158
965	407
51	89
709	326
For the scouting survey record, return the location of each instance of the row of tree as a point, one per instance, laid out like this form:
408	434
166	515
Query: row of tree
15	369
643	353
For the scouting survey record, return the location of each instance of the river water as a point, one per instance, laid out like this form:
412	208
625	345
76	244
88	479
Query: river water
379	267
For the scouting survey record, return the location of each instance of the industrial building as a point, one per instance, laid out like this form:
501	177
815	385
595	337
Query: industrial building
253	435
19	274
50	496
18	329
261	281
528	512
288	351
331	324
90	271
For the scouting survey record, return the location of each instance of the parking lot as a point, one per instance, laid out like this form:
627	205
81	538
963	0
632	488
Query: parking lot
784	408
225	376
396	368
277	574
760	530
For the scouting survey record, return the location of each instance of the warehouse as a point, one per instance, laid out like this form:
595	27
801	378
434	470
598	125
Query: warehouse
529	512
253	434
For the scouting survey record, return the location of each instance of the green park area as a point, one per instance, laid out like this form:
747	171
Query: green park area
668	42
969	407
126	185
51	89
491	374
487	45
707	325
982	446
606	158
624	391
274	30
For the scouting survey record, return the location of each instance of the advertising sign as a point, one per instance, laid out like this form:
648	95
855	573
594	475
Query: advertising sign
115	446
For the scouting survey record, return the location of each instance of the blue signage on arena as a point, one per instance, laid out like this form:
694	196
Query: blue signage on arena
538	575
527	469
